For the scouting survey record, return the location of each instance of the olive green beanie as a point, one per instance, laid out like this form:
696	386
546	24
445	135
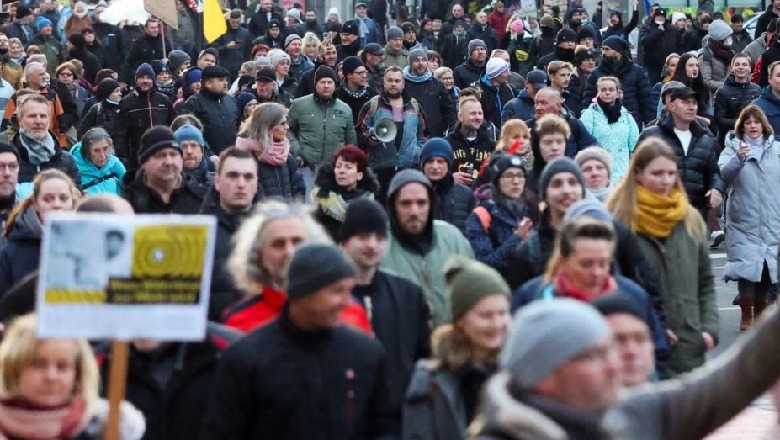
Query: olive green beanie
468	281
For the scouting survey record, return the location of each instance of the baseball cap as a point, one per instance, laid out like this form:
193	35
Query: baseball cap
374	49
537	79
660	11
265	74
360	5
682	93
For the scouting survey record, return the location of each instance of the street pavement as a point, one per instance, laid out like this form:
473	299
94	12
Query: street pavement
758	420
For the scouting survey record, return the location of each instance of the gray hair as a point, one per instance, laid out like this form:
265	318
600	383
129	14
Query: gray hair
244	263
30	69
264	118
93	135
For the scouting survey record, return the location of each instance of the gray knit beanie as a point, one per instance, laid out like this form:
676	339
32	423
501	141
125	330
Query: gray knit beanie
561	164
597	153
314	266
545	335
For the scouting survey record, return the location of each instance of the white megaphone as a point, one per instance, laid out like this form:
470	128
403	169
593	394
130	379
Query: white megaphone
384	130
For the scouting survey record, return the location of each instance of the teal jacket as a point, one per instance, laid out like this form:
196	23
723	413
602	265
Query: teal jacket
94	180
318	129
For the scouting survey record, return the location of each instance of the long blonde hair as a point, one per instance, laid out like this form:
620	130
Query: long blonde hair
622	201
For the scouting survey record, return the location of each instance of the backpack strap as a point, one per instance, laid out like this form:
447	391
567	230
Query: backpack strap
484	217
109	176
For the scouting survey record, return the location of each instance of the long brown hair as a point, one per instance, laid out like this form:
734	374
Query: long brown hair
41	177
756	112
622	201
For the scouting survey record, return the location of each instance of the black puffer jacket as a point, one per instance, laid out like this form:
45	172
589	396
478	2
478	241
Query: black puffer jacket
138	112
186	199
218	113
282	182
332	200
113	45
698	168
453	202
730	99
438	108
62	160
467	74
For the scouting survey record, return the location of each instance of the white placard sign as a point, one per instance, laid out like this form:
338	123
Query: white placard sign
123	277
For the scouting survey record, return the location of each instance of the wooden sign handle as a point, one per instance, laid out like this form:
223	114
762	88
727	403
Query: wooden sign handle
120	352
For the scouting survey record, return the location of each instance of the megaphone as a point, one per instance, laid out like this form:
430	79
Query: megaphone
384	130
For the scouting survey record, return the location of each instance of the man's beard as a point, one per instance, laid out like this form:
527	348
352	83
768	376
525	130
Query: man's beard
394	95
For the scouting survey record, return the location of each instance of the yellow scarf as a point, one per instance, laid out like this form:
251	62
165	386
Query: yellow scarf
656	215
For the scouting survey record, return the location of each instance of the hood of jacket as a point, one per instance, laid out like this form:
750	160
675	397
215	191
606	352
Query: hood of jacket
418	243
767	94
27	226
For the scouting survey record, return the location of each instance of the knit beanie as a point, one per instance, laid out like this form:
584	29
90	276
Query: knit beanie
158	66
189	133
618	303
597	153
588	208
559	165
581	55
192	76
437	147
677	16
545	335
584	32
475	43
719	30
277	57
325	72
290	38
468	281
242	99
394	33
155	139
176	59
314	266
502	162
144	70
105	88
565	34
363	216
405	177
615	42
418	51
351	64
42	21
495	67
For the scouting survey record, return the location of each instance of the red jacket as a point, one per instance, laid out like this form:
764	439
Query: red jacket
498	22
257	310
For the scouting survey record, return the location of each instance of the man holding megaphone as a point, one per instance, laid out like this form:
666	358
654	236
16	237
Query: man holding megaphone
390	129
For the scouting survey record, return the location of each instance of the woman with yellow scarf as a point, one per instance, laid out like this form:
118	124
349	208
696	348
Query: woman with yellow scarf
651	199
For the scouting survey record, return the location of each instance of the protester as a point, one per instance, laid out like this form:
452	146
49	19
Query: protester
453	201
670	66
105	112
735	94
597	168
472	69
445	391
473	140
354	90
100	170
549	101
715	57
215	107
195	162
769	100
689	74
522	107
430	93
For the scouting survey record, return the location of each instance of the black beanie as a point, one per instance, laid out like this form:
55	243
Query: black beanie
502	162
363	216
314	266
77	40
619	303
325	72
351	64
583	55
155	139
5	147
105	88
565	34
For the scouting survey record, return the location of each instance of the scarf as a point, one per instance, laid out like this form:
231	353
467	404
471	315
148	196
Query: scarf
73	90
720	51
756	145
416	79
601	193
276	155
656	215
19	419
611	111
334	204
565	287
39	151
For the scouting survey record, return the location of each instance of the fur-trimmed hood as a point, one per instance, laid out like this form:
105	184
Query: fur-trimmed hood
325	181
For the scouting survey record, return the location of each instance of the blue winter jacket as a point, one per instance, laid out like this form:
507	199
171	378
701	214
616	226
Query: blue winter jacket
385	155
521	107
770	105
94	180
535	289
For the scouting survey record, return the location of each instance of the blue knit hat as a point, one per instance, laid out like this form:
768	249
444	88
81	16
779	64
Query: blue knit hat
145	69
189	133
43	21
192	76
437	147
617	43
242	99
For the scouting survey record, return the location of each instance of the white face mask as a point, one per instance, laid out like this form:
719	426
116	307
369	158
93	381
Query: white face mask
660	21
728	41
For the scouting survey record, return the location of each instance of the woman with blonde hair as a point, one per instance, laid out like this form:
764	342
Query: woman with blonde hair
750	166
53	191
265	135
49	389
516	139
311	45
651	200
444	392
447	78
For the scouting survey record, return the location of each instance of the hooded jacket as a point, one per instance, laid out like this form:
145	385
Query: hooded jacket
468	73
21	254
475	151
94	180
453	202
415	256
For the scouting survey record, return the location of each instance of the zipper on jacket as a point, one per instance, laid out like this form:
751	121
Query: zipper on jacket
349	375
149	106
369	306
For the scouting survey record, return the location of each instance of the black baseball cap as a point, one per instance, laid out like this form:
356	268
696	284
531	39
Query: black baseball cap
265	74
374	49
660	11
682	93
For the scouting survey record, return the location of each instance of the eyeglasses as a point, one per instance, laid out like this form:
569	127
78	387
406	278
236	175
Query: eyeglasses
66	74
512	176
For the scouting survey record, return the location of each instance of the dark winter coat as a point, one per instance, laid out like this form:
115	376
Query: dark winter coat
698	168
485	33
472	152
579	139
521	107
104	114
453	202
258	25
186	199
332	200
62	160
437	106
557	54
91	62
282	382
467	74
113	45
354	100
400	319
764	19
231	59
453	49
284	182
542	45
771	55
692	39
493	100
135	111
770	105
21	254
518	48
218	113
145	50
637	91
729	102
657	45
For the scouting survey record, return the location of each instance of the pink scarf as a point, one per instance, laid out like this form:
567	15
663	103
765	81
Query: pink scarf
276	155
22	420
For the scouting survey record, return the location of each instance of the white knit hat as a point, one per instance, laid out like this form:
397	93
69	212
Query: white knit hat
678	16
495	67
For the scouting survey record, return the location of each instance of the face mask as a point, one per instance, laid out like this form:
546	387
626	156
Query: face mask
660	21
728	41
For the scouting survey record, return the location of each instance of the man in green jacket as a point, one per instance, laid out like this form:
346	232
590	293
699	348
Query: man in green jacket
319	123
417	245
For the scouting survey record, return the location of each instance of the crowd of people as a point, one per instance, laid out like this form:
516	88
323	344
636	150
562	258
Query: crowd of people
430	224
